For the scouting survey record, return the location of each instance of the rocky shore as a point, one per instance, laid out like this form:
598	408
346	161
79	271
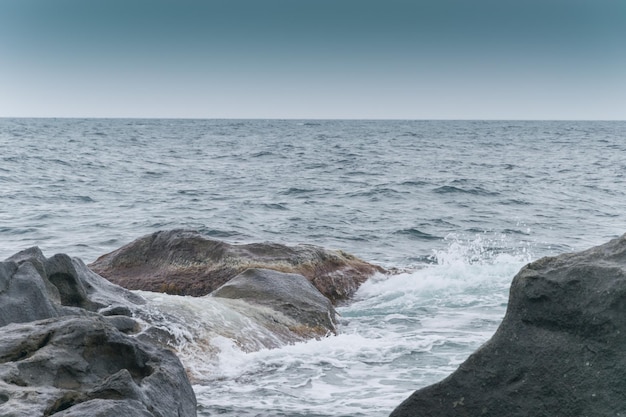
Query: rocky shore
69	346
73	343
560	350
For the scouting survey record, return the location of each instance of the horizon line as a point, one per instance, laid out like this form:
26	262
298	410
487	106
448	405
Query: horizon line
315	119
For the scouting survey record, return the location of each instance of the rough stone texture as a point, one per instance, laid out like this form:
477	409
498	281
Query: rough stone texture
185	263
49	367
560	350
290	294
34	287
59	357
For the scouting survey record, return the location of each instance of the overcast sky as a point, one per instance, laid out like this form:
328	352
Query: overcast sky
387	59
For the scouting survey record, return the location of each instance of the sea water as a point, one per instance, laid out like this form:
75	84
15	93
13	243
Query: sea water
453	208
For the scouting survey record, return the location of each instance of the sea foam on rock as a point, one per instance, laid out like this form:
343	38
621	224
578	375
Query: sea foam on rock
559	351
59	356
183	262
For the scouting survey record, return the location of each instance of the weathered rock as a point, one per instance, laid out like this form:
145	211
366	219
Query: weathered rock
560	350
183	262
34	287
83	366
59	356
290	294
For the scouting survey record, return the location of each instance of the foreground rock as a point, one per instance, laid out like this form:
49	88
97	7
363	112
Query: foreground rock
34	287
308	311
183	262
560	350
85	366
59	357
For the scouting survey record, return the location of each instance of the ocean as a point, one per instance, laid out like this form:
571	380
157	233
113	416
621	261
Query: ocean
453	208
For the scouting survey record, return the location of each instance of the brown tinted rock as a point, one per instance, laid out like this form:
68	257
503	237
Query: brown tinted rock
185	263
560	350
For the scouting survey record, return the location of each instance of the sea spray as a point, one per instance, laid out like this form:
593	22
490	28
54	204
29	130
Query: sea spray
408	195
199	328
400	332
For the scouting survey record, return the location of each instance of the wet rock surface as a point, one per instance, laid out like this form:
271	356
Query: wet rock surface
290	294
183	262
560	350
59	357
34	287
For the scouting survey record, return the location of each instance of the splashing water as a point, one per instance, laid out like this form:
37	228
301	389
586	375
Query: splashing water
400	333
412	195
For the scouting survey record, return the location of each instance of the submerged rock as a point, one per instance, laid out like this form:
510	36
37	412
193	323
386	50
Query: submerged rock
58	356
289	294
560	350
183	262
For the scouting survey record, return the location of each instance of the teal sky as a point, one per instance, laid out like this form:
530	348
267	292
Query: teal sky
392	59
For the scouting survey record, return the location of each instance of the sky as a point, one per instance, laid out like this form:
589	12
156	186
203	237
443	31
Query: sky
322	59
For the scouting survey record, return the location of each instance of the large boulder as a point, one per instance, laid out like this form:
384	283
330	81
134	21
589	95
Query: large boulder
68	346
292	295
183	262
85	366
560	350
34	287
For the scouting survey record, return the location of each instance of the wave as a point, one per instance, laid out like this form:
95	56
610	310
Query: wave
412	135
275	206
377	192
449	189
84	199
517	232
514	202
414	233
400	332
218	233
417	183
297	191
261	154
17	230
197	327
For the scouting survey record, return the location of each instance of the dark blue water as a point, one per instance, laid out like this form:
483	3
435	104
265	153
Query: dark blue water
459	206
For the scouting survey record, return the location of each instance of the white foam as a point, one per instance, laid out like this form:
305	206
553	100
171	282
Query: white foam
463	264
401	332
